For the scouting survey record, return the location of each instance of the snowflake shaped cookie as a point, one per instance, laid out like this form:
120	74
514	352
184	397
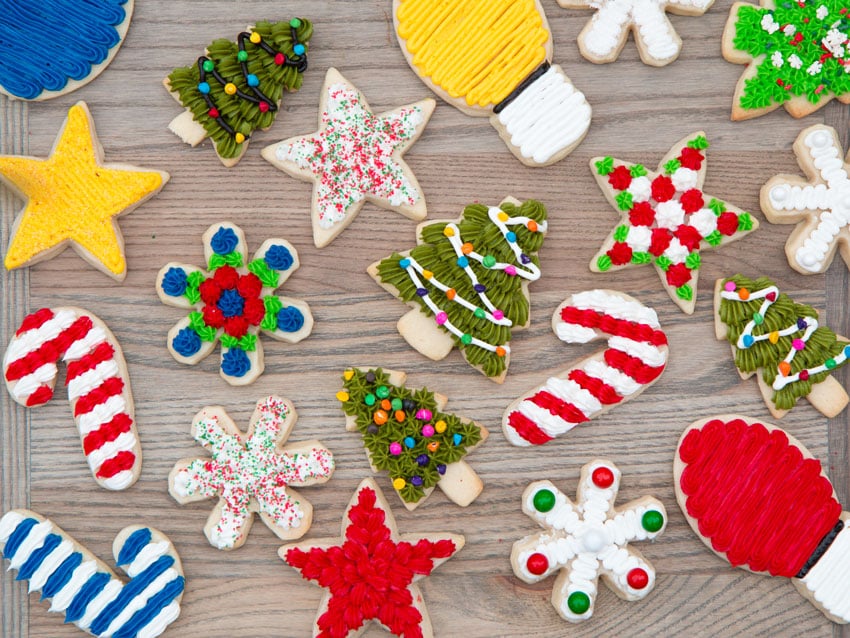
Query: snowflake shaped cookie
251	473
354	157
667	218
232	302
605	35
820	205
370	572
588	539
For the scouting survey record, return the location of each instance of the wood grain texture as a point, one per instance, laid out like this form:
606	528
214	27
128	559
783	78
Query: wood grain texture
639	112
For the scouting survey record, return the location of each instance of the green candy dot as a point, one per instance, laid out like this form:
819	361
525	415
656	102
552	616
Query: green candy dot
578	602
209	65
242	56
830	364
369	399
466	339
489	261
295	23
396	403
383	392
652	521
758	319
479	312
544	500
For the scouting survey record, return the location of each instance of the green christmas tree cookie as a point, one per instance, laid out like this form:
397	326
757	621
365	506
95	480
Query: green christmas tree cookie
237	87
406	434
467	282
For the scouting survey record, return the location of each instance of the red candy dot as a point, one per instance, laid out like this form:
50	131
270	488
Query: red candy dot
213	113
602	477
263	106
279	59
804	375
537	564
637	578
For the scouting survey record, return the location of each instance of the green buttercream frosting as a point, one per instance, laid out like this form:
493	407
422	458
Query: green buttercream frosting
672	166
435	253
765	356
268	276
605	165
193	283
242	115
406	465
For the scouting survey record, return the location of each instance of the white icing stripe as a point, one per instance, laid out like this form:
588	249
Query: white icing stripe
550	424
32	340
8	524
574	333
65	596
547	117
118	481
32	542
571	392
615	306
91	379
49	564
829	579
622	383
139	601
646	352
147	557
25	386
97	605
125	442
161	621
101	414
82	347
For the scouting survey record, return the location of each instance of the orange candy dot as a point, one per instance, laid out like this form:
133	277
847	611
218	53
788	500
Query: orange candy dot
500	351
380	417
532	225
399	415
450	293
744	294
467	248
386	405
433	446
784	368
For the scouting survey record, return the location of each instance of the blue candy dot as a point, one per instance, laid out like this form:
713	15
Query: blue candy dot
235	363
186	342
747	340
422	292
224	241
463	262
290	319
441	469
416	480
278	257
252	79
204	87
231	303
174	282
457	438
510	236
404	263
801	324
409	441
847	351
299	49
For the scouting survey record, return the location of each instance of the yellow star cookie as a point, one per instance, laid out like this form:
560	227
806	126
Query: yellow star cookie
72	196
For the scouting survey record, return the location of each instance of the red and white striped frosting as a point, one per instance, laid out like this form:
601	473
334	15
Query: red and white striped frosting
98	388
635	358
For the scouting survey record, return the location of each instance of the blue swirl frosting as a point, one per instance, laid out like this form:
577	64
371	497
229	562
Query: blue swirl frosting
174	282
224	241
235	363
72	36
290	319
278	257
186	342
231	303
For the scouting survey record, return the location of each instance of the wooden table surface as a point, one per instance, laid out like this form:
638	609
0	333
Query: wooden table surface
638	113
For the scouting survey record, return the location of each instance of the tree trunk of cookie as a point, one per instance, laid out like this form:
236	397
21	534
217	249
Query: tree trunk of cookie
460	483
423	334
828	397
187	129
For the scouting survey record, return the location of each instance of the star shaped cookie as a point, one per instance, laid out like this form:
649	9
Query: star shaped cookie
380	566
355	157
73	197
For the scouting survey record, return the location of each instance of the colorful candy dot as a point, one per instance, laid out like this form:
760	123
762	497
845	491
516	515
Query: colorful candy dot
510	236
370	377
479	313
396	404
441	469
498	315
399	484
758	319
428	431
537	564
343	396
213	113
847	351
804	375
299	49
279	59
348	375
239	138
801	324
463	262
637	578
372	429
457	438
532	226
467	248
730	286
441	318
422	460
427	274
416	481
602	477
525	259
784	368
479	288
578	602
773	337
386	405
380	417
395	448
369	399
466	339
503	216
263	106
744	294
451	293
440	426
204	87
544	500
295	23
382	391
829	363
500	351
798	344
404	263
422	292
489	261
747	340
433	446
400	416
510	271
424	414
652	520
242	56
230	88
448	231
409	405
255	37
208	66
409	441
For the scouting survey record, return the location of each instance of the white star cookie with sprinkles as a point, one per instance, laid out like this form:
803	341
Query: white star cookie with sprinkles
820	206
657	42
667	219
355	157
588	539
251	473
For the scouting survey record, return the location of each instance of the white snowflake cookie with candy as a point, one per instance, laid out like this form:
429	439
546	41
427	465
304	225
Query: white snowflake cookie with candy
251	473
588	539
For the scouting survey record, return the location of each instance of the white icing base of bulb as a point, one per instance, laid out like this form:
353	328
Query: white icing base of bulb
828	582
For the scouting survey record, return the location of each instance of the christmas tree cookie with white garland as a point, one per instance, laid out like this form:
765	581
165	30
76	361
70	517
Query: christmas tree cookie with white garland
667	218
657	42
588	539
797	55
782	343
820	206
467	282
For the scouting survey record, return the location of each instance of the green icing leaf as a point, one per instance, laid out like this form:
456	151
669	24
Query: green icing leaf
624	200
248	342
717	206
205	332
268	276
663	262
273	306
714	238
603	263
692	261
193	283
672	166
641	258
229	342
699	143
637	170
605	166
685	292
621	232
230	259
745	222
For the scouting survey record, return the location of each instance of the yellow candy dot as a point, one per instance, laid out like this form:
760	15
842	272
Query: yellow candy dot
239	138
342	395
448	231
256	38
773	337
440	426
503	216
427	274
399	483
230	88
348	375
